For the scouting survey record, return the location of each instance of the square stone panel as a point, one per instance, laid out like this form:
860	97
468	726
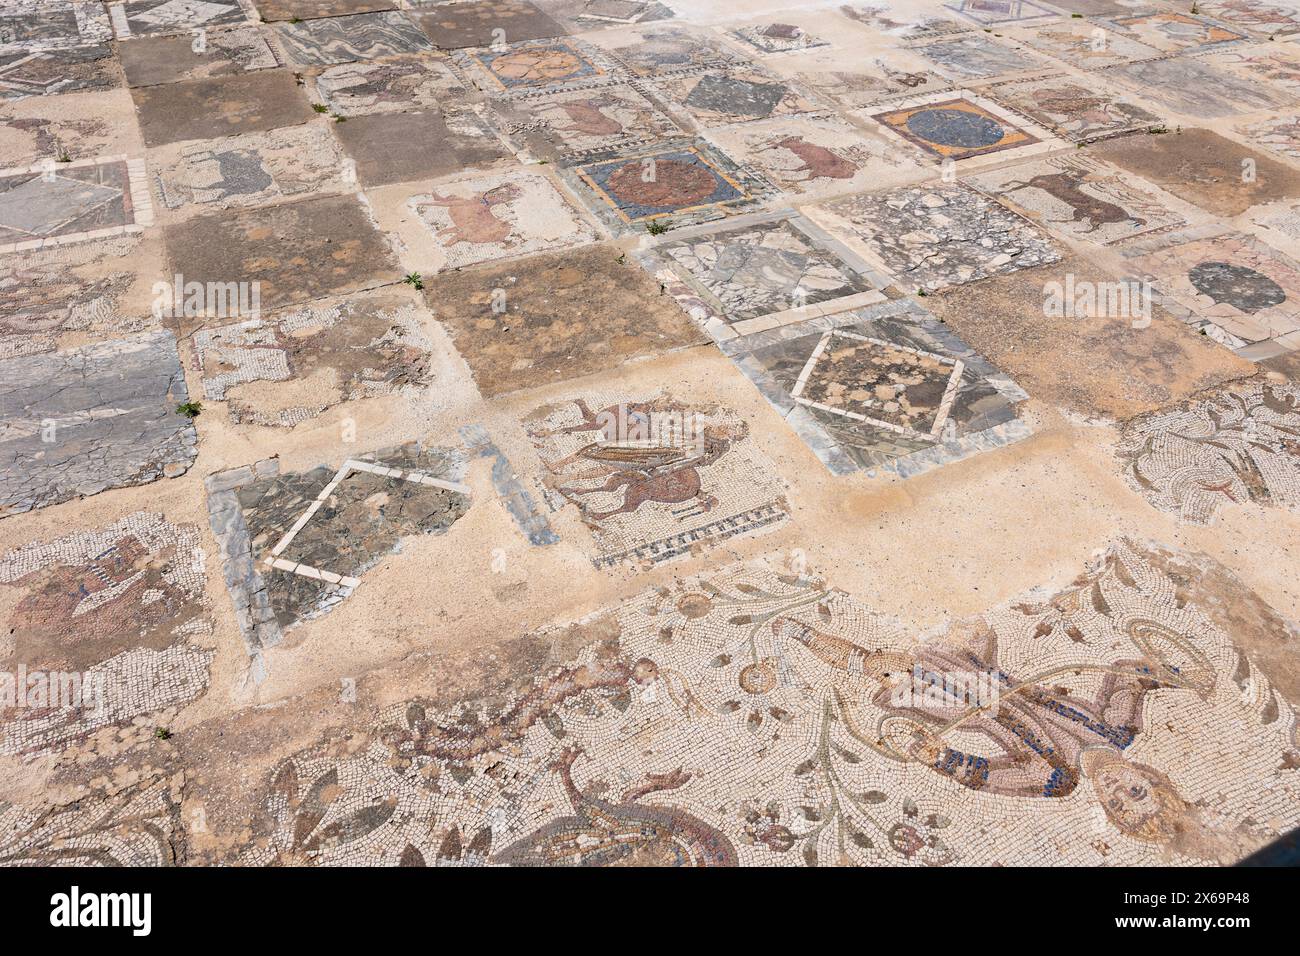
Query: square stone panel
886	388
778	38
1241	292
297	251
80	422
1259	16
160	17
254	169
1203	168
571	123
74	127
931	237
358	89
694	480
659	50
363	36
291	366
1279	135
402	147
498	216
1086	45
978	57
744	278
738	95
894	73
272	10
1076	111
686	183
1279	65
1093	8
57	203
586	15
1194	89
1081	198
956	128
554	317
33	26
536	65
222	106
78	70
1177	32
1002	12
152	60
455	26
1132	366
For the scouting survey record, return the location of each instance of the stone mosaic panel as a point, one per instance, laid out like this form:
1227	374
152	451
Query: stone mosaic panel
1194	89
1177	32
977	57
250	170
169	59
1280	135
738	95
83	421
295	545
363	36
780	269
886	80
884	389
358	89
648	489
1258	16
294	251
290	367
1232	445
522	68
553	317
160	17
84	69
585	15
778	38
35	26
659	51
573	123
816	155
221	106
1083	44
1278	65
116	606
1002	12
502	215
754	717
455	26
1081	198
55	203
956	127
315	9
1238	290
1077	112
681	183
902	21
387	148
930	237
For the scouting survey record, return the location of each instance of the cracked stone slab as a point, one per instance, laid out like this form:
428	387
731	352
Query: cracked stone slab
58	203
162	17
977	57
582	16
221	106
1074	110
573	123
296	251
358	89
1203	168
290	367
737	95
776	270
1192	88
56	130
888	389
929	237
660	50
390	148
149	61
120	606
1081	198
1172	32
555	316
84	69
254	169
456	26
32	26
363	36
76	423
778	38
1232	445
653	479
1084	44
534	66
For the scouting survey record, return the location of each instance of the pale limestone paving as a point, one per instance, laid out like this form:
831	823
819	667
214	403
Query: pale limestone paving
80	422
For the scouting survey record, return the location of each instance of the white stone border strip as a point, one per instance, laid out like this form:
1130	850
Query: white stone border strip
274	560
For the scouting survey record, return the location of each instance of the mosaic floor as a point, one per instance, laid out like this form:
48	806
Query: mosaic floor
595	432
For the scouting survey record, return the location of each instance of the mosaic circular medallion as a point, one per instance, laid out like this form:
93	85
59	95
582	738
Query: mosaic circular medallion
674	183
946	127
1241	287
